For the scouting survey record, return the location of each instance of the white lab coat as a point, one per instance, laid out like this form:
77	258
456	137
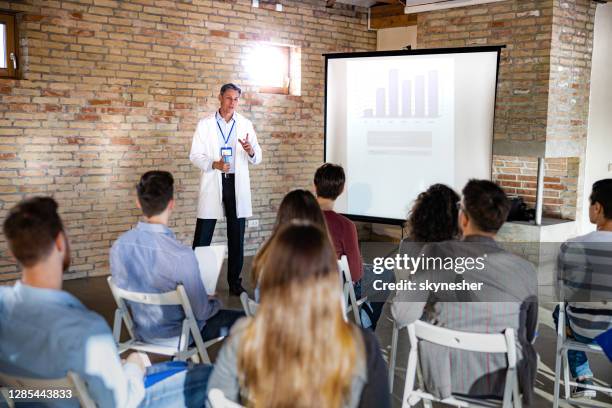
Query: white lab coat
205	149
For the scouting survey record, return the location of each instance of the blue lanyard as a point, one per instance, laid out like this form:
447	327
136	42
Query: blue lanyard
225	140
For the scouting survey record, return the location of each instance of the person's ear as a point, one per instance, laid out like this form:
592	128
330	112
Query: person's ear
171	204
138	204
464	220
598	209
60	242
220	98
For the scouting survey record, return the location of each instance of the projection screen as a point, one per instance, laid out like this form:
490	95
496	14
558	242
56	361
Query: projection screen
399	121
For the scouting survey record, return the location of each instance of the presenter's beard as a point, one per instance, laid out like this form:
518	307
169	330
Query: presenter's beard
66	261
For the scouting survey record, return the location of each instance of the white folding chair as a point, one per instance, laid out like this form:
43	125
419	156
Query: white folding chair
249	305
348	289
479	342
218	400
393	355
190	328
563	345
71	383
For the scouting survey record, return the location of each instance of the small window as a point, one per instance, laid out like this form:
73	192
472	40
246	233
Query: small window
8	49
274	68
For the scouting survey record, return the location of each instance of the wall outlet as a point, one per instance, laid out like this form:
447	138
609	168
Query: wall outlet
610	167
253	223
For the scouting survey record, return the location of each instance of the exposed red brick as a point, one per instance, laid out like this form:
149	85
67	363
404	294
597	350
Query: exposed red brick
218	33
87	117
99	102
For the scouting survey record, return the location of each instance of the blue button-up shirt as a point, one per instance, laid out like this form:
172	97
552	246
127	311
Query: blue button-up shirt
150	259
45	333
229	134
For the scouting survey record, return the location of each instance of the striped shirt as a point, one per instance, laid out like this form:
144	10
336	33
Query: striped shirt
585	276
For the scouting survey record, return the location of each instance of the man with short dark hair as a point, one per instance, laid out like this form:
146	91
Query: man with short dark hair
46	332
225	186
329	182
150	259
585	273
506	299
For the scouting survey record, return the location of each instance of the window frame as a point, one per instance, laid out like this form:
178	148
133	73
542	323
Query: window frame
10	22
281	90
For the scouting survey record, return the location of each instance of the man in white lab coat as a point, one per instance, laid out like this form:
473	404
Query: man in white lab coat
224	144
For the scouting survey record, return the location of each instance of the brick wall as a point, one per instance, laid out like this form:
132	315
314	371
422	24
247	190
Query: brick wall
543	89
518	176
111	89
525	28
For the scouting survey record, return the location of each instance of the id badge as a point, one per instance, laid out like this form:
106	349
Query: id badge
226	153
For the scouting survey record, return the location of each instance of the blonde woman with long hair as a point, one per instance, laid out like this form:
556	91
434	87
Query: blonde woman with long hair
298	351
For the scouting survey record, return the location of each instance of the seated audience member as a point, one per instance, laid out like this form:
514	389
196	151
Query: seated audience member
329	184
296	205
585	262
433	218
299	350
506	299
150	259
46	332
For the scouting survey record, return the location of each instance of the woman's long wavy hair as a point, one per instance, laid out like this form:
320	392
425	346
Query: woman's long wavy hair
433	217
296	205
298	351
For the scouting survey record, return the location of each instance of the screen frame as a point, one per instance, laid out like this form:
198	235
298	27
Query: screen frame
392	53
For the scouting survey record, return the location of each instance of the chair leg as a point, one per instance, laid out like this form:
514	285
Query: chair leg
516	395
9	401
566	375
558	357
393	356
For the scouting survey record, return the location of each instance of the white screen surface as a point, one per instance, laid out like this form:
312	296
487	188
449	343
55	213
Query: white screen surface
398	124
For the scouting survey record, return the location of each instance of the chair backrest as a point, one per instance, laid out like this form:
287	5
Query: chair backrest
217	400
479	342
163	299
345	271
248	304
71	383
176	297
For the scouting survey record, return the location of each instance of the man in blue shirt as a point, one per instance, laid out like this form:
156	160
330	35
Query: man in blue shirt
150	259
46	332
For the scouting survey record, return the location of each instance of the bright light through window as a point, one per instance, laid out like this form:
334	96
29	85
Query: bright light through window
268	66
3	52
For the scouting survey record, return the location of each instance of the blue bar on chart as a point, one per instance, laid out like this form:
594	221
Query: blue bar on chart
419	96
432	94
406	99
393	93
381	110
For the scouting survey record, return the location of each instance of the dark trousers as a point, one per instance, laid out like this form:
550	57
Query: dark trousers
235	232
220	324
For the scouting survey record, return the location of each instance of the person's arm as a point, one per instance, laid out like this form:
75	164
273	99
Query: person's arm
110	383
352	252
257	157
188	272
198	155
225	374
408	305
375	392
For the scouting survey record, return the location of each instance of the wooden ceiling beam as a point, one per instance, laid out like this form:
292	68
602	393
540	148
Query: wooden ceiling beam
391	15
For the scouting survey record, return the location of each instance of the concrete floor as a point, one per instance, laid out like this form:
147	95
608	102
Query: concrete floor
94	293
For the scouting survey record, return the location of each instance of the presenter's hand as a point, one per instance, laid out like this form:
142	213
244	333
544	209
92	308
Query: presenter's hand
221	166
246	145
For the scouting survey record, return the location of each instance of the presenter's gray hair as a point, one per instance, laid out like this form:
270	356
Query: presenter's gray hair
229	86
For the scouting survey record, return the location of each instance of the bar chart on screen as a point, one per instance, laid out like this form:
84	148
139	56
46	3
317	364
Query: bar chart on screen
402	116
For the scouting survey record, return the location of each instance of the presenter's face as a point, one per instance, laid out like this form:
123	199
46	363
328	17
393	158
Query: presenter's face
229	101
